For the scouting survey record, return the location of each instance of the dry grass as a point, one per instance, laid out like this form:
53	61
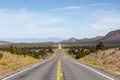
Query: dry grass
10	63
108	60
66	55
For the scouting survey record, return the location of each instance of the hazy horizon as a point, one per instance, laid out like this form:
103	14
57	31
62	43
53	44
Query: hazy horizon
42	19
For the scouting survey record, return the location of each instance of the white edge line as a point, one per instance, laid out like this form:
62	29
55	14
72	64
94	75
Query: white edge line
92	70
24	70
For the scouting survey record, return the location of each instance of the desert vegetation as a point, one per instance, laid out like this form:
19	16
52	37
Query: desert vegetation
104	57
82	51
13	58
36	52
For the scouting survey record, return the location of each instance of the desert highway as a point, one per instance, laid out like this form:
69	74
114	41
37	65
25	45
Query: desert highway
61	69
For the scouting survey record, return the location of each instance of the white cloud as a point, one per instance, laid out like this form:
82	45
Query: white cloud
106	23
78	7
104	20
10	18
23	23
66	8
112	20
98	4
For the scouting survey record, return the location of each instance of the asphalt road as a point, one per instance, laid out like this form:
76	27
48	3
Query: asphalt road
69	70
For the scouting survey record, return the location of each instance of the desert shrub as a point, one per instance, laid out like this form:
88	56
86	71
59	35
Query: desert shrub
92	49
12	49
118	48
80	52
35	52
1	55
50	50
100	46
87	52
93	62
77	56
4	63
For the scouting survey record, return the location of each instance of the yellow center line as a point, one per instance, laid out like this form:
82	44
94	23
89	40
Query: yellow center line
59	73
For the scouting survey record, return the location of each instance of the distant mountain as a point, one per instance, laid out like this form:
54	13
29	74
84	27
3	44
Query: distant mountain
112	38
30	40
87	40
4	42
84	40
71	40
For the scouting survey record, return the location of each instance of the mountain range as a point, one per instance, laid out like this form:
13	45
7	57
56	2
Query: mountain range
4	42
112	37
31	40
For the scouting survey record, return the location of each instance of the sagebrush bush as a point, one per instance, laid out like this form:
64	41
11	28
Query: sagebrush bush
4	63
36	52
1	55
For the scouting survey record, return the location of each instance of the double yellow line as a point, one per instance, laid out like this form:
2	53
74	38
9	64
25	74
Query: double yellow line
59	73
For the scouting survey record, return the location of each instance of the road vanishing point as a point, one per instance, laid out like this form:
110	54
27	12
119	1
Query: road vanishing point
61	69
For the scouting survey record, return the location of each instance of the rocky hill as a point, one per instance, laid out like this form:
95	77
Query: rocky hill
112	38
4	42
87	40
71	40
107	60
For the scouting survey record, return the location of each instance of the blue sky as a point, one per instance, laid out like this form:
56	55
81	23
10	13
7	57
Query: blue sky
58	18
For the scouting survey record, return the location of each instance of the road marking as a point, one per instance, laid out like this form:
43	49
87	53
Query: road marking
92	70
59	73
25	70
